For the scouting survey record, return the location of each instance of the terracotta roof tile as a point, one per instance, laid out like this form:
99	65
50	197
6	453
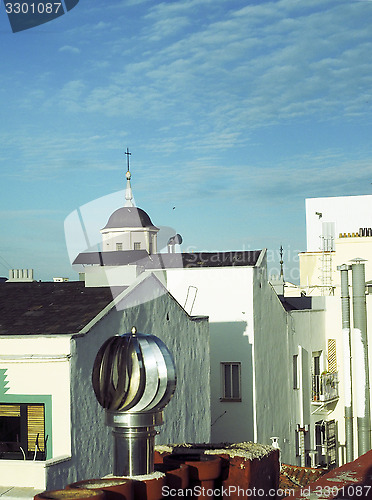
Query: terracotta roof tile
293	477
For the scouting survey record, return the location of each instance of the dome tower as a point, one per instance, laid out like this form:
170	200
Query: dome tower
129	227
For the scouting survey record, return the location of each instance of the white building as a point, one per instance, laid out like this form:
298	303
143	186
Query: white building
338	233
251	343
277	366
332	216
338	230
273	366
52	429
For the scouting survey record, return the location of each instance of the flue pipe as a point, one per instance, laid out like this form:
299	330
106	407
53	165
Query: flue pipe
346	339
361	356
133	379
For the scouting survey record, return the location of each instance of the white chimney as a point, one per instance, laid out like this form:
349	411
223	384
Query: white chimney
21	275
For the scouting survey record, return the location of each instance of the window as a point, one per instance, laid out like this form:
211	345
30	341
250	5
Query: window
119	246
316	363
22	431
231	382
137	245
316	371
325	443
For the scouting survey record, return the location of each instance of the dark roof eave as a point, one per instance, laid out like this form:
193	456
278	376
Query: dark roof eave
170	260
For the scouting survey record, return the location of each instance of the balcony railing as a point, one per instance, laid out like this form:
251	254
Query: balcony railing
325	386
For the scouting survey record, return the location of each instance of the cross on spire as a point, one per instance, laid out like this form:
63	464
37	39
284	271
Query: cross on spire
128	155
128	190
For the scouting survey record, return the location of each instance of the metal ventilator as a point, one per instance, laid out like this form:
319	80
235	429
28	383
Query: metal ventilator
133	379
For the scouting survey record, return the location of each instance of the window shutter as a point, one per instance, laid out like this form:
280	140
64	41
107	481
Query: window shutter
332	359
35	426
10	410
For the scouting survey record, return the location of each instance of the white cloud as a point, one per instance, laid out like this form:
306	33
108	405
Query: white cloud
101	25
70	49
256	65
216	75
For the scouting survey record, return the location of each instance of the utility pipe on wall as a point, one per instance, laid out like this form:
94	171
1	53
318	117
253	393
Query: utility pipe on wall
304	401
302	446
346	339
301	431
361	357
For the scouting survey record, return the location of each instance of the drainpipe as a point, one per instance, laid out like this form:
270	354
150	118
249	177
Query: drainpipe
346	338
361	356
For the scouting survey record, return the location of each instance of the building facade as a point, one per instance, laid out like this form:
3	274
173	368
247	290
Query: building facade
250	341
52	429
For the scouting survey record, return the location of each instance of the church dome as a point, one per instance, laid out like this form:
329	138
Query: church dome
129	217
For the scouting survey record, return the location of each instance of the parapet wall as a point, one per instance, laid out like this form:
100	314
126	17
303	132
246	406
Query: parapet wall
240	471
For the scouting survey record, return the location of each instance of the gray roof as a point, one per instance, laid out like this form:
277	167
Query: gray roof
296	303
116	258
169	260
45	308
129	217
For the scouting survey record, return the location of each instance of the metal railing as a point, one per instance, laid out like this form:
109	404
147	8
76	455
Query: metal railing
324	386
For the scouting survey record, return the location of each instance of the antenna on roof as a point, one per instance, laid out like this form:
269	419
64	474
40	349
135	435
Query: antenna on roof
281	261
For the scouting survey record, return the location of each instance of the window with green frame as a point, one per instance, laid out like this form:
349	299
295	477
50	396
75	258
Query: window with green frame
22	431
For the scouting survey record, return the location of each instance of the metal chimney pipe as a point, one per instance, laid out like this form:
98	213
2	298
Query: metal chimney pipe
361	356
346	338
133	379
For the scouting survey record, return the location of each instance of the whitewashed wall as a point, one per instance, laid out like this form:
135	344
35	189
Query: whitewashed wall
348	212
333	321
127	238
346	249
306	335
222	293
38	367
271	370
225	295
110	275
187	417
231	421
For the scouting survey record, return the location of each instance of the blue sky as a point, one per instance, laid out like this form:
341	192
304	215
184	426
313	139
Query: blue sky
234	111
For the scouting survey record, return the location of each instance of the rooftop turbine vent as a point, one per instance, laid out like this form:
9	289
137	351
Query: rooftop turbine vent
173	241
133	379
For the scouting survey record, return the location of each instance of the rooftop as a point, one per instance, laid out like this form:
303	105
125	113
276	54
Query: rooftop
293	477
169	260
243	470
49	308
126	217
296	303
